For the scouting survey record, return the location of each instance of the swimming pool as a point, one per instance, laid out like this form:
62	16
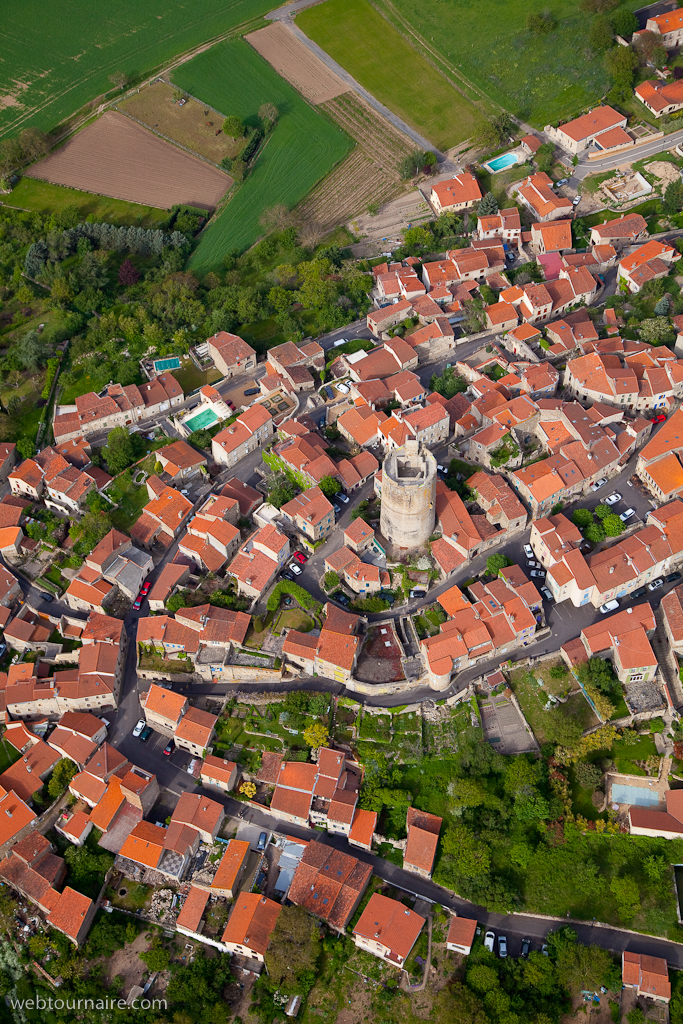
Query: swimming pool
499	163
170	363
622	794
202	420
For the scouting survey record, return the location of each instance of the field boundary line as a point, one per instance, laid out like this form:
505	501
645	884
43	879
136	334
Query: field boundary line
173	142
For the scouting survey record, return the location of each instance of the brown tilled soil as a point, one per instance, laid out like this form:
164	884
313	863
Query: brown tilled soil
295	62
188	125
379	663
116	157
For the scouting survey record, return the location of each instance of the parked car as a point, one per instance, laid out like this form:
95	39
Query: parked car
531	564
337	508
146	587
537	574
639	592
139	727
627	514
489	940
230	404
609	606
137	603
342	497
343	389
544	949
656	584
146	733
599	483
262	840
660	418
169	748
252	391
528	551
576	200
545	593
295	568
612	499
329	392
287	575
672	577
562	181
340	341
343	599
526	946
301	557
502	947
191	766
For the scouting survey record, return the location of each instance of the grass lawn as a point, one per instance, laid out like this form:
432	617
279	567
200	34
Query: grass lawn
538	78
383	61
304	147
92	380
8	755
191	379
43	197
263	334
294	618
625	755
581	800
58	62
532	699
161	664
130	499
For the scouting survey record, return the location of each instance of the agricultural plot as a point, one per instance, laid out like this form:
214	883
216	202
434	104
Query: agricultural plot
295	62
116	157
44	197
58	59
368	176
191	125
303	148
539	78
385	63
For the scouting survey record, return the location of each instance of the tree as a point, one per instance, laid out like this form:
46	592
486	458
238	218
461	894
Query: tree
469	855
587	774
316	735
582	517
411	165
329	486
624	23
622	63
157	958
448	384
613	525
281	493
276	218
494	563
119	79
90	530
599	673
233	126
26	447
62	775
10	155
128	274
595	533
34	143
648	46
579	967
663	306
654	330
488	205
248	789
673	197
600	36
268	112
545	157
331	580
33	351
418	239
494	131
120	450
294	948
457	1004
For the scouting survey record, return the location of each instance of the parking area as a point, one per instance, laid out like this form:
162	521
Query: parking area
249	833
238	395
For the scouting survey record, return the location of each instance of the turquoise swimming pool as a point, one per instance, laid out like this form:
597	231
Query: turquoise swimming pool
499	163
170	363
622	794
202	420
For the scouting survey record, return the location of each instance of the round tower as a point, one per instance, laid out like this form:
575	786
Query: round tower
408	510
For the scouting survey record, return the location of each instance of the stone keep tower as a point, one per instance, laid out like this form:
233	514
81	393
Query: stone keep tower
408	498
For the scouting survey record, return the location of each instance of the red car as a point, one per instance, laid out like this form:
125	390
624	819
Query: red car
658	419
146	587
300	557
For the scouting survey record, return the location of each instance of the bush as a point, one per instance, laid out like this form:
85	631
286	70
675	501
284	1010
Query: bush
300	595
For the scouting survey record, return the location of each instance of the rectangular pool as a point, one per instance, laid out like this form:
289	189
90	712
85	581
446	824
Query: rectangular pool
499	163
170	363
204	419
622	794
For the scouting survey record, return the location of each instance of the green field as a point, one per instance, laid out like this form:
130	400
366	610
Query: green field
302	149
537	78
378	57
42	197
57	57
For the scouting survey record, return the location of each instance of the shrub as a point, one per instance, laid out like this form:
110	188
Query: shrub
300	595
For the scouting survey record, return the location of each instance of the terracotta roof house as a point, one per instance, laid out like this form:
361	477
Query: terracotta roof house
218	773
648	263
250	926
363	828
200	813
455	194
163	709
660	97
231	354
73	915
555	236
536	193
669	26
590	128
461	932
388	929
180	461
648	975
231	868
329	884
620	232
423	838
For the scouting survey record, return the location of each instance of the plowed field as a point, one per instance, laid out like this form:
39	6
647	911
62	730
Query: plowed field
368	176
296	63
116	157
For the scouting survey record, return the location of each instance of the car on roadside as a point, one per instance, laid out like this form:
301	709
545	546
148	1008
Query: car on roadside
639	592
191	766
343	389
672	577
329	392
660	418
526	947
230	404
337	508
531	564
528	551
262	840
287	575
502	947
489	940
137	603
612	499
139	727
169	748
343	599
576	200
146	733
47	597
608	606
562	181
627	514
300	557
537	574
599	483
295	568
342	497
656	584
545	593
544	949
252	391
146	587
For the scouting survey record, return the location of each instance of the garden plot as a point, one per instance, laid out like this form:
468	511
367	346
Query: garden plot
296	63
116	157
504	727
547	718
444	726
